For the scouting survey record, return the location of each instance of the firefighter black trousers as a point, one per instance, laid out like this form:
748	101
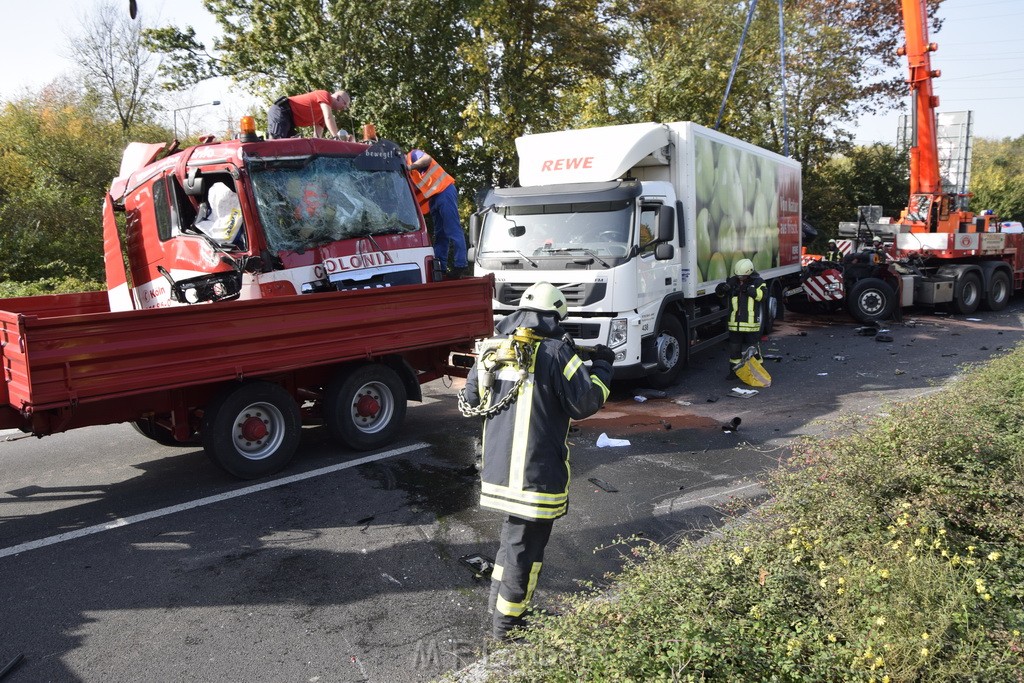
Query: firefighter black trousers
740	342
516	570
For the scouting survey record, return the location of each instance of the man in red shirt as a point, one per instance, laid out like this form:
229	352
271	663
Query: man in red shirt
314	109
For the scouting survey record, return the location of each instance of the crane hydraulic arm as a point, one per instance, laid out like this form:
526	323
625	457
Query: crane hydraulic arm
930	209
924	155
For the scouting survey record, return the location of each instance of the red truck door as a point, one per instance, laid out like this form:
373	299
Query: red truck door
160	216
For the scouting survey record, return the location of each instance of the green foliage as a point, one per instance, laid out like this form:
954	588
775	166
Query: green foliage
61	279
997	178
871	174
891	553
57	156
464	78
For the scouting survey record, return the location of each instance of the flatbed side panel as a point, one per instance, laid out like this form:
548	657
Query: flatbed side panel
87	358
56	305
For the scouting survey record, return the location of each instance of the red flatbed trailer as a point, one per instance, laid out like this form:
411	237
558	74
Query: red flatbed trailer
236	373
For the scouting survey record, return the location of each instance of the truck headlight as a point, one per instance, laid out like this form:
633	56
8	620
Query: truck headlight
617	332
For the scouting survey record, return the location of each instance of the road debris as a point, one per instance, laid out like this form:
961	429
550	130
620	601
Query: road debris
602	484
480	565
604	441
743	393
732	425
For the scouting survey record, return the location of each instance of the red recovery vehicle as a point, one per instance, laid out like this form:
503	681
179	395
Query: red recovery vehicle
937	251
269	283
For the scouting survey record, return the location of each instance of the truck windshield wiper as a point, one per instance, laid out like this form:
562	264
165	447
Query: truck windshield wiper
513	251
569	250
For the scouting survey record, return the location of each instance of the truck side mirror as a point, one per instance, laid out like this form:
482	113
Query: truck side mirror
664	251
474	230
666	224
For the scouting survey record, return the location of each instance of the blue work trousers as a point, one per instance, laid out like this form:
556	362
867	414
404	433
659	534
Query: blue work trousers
444	212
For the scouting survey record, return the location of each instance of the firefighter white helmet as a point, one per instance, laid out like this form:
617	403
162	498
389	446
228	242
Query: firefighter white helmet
743	267
542	297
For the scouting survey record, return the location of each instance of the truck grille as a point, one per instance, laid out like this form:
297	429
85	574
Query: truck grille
576	294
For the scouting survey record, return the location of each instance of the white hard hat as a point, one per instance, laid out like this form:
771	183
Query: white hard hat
542	297
743	267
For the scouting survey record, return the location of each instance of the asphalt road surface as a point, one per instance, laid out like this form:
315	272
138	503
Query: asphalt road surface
122	560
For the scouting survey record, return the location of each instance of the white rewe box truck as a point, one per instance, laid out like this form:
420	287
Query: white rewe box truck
636	225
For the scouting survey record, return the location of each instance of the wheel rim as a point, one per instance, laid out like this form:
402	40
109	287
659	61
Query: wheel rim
999	291
970	293
373	407
258	431
668	352
871	301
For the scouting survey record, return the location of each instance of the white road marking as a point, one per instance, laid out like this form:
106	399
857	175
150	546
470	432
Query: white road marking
209	500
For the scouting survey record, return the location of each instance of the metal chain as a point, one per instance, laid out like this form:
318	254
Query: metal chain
522	360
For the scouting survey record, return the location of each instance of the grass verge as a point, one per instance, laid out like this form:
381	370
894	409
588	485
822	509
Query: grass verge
892	554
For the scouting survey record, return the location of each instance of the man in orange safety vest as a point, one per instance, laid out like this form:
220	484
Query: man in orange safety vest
437	196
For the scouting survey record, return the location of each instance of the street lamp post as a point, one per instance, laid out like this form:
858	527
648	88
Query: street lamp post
175	113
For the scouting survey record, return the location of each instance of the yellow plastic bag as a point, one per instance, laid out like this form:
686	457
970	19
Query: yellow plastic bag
752	372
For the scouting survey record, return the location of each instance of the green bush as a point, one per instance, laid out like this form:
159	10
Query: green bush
891	553
61	279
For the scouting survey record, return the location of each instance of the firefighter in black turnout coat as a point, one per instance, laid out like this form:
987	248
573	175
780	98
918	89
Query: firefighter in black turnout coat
746	290
528	385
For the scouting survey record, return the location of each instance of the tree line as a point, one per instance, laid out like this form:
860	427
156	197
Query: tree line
462	79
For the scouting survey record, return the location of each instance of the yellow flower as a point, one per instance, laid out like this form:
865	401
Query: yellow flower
994	557
924	652
840	590
885	679
879	662
905	506
970	549
942	532
925	635
841	581
746	549
831	637
736	559
1016	633
823	583
917	542
884	573
880	621
987	596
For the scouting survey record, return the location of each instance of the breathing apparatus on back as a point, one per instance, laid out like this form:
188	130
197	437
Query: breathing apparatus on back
514	353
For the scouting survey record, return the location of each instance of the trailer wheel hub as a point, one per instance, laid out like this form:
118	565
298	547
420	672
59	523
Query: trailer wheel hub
367	405
254	428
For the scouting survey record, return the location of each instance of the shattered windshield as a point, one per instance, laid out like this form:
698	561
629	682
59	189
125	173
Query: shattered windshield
594	228
310	201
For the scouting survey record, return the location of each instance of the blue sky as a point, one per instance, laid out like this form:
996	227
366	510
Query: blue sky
981	56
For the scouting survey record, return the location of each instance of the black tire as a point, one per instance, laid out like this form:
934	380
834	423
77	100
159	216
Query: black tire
252	430
871	300
155	432
967	294
772	310
999	290
670	350
364	407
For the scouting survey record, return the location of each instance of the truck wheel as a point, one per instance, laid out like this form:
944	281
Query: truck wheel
364	408
670	350
252	430
870	300
772	310
998	295
968	294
